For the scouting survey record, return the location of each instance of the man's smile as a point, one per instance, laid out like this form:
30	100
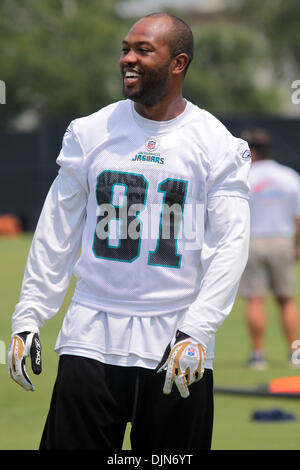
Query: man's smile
131	77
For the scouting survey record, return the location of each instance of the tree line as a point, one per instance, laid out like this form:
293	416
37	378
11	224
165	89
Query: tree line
60	57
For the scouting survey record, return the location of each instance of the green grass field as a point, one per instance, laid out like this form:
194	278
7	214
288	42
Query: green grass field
22	414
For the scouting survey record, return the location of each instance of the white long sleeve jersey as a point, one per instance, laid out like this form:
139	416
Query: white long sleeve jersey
158	212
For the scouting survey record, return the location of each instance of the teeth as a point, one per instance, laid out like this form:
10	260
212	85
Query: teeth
131	74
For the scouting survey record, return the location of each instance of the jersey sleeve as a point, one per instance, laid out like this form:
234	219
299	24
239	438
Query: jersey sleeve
224	257
226	237
71	158
230	169
56	243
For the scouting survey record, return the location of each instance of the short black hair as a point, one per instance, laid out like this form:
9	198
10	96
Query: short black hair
181	39
259	140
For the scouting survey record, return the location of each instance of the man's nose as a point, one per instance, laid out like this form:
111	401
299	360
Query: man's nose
129	58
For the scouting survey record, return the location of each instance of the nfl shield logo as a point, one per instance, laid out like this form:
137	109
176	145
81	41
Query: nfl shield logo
152	144
191	351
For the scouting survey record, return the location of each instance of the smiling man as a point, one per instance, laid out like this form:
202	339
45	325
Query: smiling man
152	193
148	56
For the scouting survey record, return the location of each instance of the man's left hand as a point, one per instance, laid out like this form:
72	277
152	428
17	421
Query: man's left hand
183	361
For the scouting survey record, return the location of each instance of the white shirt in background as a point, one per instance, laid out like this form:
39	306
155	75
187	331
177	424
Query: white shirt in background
274	199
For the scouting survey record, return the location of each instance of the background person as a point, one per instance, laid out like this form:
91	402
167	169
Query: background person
274	245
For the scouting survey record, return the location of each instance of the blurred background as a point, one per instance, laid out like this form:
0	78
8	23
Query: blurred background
59	61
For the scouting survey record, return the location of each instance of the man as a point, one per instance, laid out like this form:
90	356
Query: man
154	192
274	245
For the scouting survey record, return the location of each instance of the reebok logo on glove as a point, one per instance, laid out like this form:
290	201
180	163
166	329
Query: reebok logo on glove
38	358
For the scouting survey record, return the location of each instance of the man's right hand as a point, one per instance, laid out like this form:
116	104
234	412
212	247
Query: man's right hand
22	345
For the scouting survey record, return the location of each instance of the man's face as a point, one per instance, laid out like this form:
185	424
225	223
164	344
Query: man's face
145	62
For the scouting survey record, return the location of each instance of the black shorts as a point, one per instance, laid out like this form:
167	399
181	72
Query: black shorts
92	403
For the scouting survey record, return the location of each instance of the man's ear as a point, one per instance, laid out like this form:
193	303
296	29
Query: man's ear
179	63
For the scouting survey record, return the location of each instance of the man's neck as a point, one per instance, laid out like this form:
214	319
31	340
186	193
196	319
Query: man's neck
163	111
256	160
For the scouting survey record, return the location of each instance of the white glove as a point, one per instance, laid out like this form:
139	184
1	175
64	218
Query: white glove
183	361
22	345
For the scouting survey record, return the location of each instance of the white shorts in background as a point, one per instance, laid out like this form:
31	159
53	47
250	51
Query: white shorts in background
270	267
